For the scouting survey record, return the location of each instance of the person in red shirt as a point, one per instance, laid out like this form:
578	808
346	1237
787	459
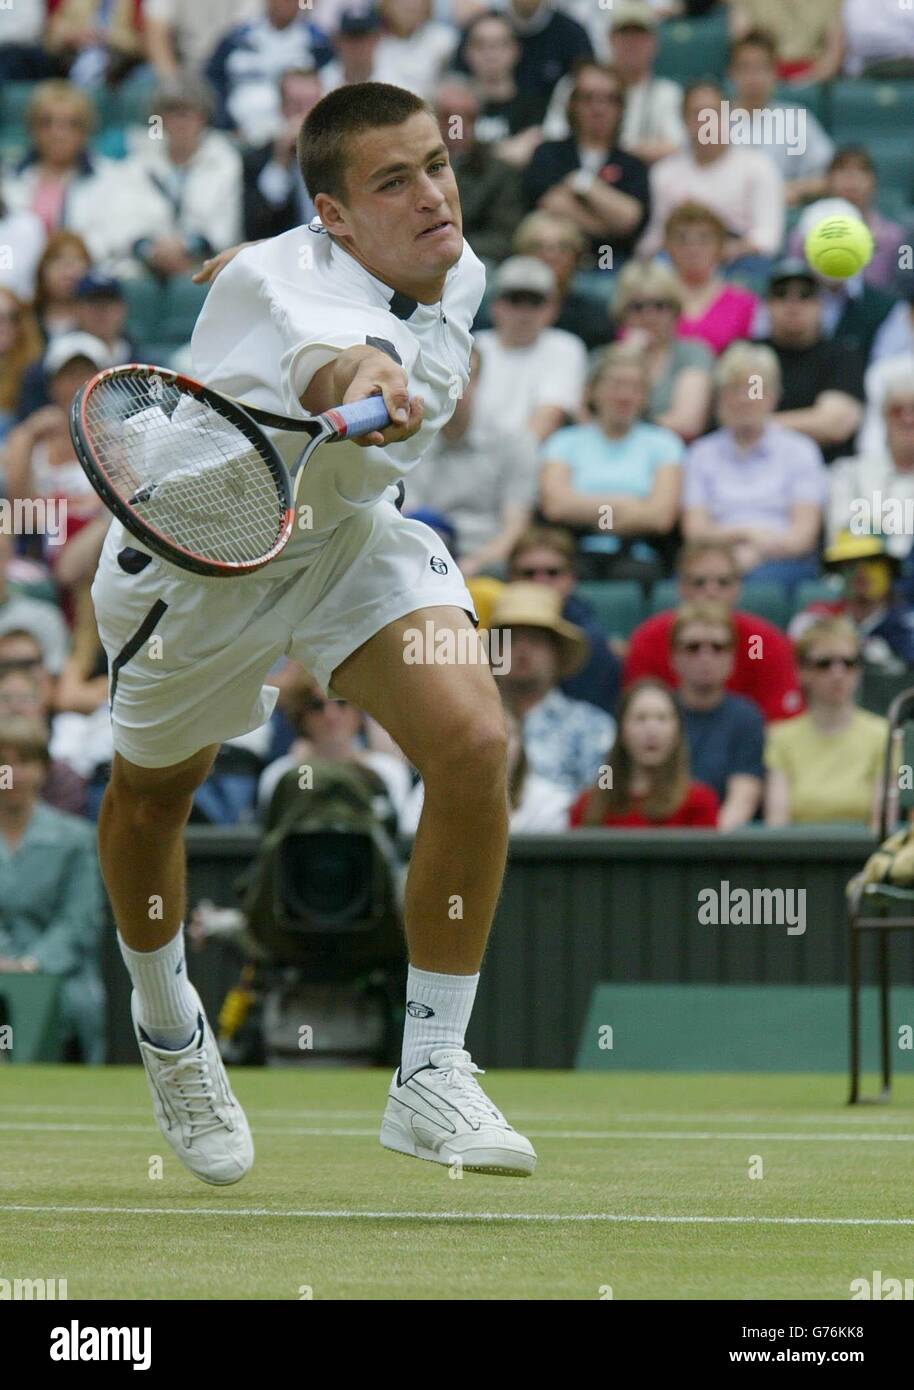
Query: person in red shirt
764	666
646	783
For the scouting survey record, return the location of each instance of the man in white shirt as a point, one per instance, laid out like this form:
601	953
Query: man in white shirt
532	376
375	296
480	475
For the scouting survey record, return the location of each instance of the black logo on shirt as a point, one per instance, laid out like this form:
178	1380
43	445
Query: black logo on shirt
383	345
438	565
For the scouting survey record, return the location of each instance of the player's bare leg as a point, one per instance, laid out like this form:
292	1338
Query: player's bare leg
448	721
141	844
141	849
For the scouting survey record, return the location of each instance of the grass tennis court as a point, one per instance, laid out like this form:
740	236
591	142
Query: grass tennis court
643	1185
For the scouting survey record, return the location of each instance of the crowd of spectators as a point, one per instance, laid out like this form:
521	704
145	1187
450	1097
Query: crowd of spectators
663	394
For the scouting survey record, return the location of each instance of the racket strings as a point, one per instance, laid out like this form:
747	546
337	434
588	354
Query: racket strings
184	469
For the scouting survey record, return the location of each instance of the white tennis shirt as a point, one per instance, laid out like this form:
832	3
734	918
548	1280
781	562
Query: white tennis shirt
284	308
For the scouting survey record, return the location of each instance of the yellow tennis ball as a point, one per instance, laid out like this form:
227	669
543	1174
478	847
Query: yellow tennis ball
839	247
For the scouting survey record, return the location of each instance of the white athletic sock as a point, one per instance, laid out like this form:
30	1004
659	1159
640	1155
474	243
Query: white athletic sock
438	1009
168	1008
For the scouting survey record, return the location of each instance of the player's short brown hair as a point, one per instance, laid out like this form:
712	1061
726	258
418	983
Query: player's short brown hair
347	111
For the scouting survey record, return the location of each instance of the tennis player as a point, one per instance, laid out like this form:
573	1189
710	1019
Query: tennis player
377	294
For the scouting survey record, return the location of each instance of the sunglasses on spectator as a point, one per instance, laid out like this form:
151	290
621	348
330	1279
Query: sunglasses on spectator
71	122
550	571
529	298
637	306
896	411
723	581
9	315
316	705
825	663
20	663
538	248
605	97
693	648
788	291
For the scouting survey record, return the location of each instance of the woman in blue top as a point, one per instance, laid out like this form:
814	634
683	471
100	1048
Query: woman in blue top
615	479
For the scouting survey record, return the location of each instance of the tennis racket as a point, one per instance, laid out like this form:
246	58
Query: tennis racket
189	473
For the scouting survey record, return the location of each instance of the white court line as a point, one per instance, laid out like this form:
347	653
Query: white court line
569	1134
527	1116
551	1217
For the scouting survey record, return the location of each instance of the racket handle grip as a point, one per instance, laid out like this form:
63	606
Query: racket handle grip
359	417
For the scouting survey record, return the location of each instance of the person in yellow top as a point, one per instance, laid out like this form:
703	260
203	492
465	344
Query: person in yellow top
827	764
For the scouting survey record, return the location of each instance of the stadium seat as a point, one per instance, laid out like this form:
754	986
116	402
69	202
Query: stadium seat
893	156
815	96
145	308
765	600
618	604
874	114
14	98
861	108
692	48
665	594
182	302
815	591
129	103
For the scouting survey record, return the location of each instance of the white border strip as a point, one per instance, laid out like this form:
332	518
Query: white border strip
229	1213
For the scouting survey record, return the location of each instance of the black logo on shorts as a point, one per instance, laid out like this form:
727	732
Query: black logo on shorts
438	565
416	1010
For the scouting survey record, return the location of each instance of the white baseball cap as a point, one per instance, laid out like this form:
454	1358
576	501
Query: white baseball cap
64	348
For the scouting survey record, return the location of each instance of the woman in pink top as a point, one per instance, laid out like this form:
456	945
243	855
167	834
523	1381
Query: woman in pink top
716	312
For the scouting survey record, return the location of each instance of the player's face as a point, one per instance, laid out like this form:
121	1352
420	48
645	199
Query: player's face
401	217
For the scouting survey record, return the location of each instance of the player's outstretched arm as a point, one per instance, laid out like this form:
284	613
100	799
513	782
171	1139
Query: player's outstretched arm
359	372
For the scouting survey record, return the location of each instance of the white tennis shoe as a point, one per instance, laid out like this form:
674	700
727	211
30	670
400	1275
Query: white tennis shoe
442	1114
194	1105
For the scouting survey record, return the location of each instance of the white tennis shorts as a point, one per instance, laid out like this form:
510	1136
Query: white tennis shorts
187	655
